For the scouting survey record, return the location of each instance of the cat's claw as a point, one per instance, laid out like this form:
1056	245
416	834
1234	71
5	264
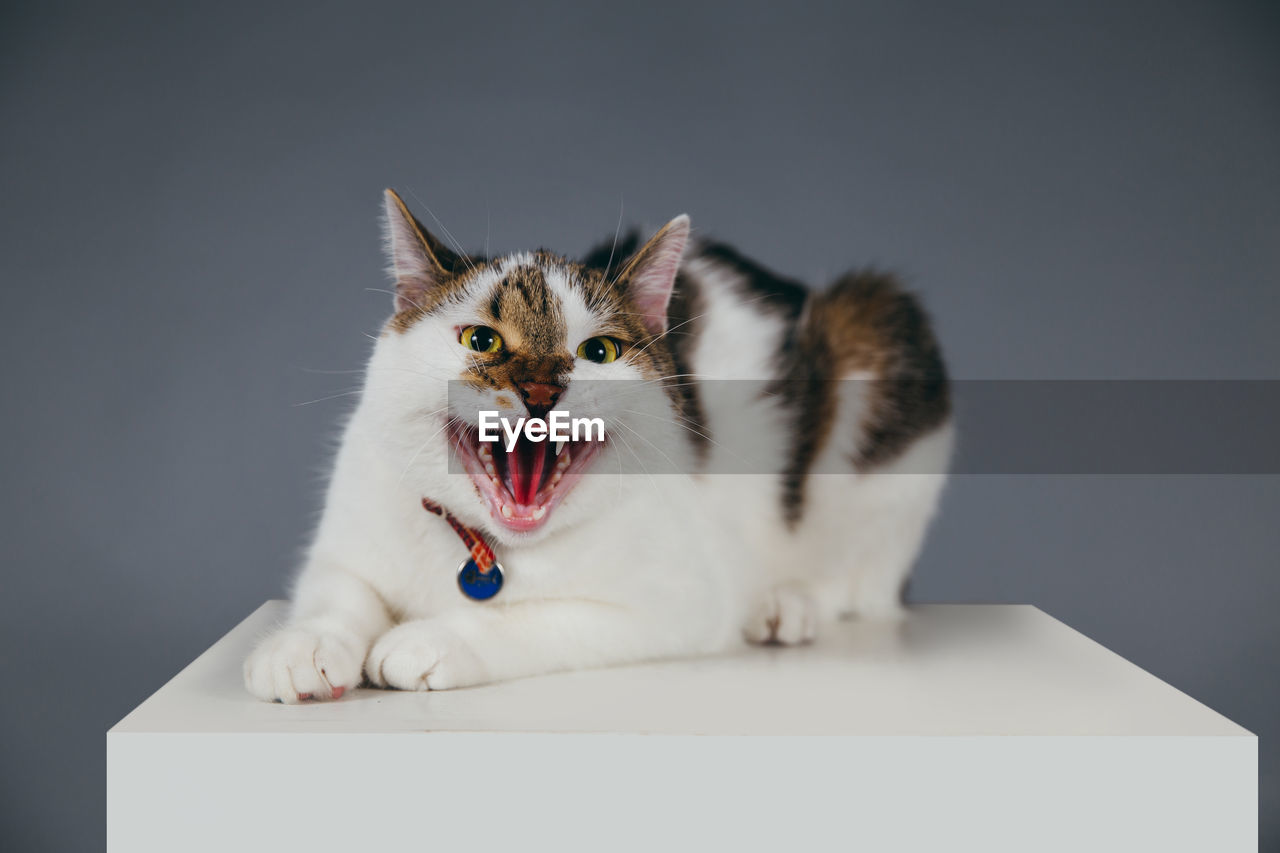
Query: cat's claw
423	655
297	664
787	616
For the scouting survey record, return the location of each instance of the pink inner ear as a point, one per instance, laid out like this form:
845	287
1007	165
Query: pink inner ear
412	266
411	294
653	279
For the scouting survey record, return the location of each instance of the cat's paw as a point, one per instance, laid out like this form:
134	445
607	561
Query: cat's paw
786	616
297	663
423	655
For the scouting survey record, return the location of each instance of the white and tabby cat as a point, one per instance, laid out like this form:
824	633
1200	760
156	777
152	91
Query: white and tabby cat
605	564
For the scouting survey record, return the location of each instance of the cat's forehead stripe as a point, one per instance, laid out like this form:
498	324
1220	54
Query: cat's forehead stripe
522	302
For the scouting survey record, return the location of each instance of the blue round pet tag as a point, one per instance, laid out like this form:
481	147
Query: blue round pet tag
478	585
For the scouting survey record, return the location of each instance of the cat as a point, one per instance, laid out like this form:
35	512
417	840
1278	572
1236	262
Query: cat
601	563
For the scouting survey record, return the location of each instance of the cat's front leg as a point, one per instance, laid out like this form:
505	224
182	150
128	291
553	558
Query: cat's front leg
485	644
426	654
319	653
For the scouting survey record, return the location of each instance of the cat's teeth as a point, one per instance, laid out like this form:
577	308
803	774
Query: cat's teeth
556	477
497	484
539	513
506	512
560	445
491	471
485	452
563	461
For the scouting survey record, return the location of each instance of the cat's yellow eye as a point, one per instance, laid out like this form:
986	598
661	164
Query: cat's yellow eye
480	339
600	349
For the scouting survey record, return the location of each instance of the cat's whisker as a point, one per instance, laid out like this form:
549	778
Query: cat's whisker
619	455
434	376
329	372
393	293
486	227
632	390
432	414
370	369
330	397
448	423
612	248
674	421
457	247
656	380
689	320
700	434
636	456
674	467
636	389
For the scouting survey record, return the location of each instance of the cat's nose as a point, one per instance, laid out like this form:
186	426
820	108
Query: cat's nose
540	396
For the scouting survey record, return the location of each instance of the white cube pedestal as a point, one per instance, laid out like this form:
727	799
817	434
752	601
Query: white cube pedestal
968	727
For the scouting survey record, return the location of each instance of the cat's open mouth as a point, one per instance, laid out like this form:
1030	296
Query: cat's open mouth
522	486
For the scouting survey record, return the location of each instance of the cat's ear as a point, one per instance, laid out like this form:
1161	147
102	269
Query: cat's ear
651	273
415	258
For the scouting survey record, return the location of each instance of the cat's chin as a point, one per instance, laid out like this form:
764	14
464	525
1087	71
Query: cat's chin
521	488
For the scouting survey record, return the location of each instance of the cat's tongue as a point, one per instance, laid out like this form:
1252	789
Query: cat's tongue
526	464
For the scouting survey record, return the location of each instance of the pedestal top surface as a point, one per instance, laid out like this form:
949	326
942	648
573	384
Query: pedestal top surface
947	670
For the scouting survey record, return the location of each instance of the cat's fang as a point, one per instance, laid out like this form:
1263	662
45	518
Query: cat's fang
523	485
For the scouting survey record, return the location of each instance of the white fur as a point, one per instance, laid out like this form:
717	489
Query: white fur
627	568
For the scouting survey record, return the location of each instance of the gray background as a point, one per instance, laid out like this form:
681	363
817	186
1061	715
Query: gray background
189	200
